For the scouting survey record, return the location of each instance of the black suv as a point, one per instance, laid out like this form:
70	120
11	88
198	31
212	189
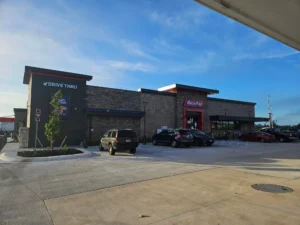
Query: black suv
173	137
119	140
202	138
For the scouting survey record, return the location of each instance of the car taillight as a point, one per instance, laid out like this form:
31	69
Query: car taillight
178	135
116	140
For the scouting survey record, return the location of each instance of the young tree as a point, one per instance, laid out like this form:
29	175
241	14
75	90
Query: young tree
52	128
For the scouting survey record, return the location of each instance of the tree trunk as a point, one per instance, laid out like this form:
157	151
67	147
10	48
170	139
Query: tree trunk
51	145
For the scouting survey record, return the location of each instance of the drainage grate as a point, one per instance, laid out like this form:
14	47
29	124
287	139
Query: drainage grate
273	188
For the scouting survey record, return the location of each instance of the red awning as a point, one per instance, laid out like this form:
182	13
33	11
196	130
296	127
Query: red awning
7	119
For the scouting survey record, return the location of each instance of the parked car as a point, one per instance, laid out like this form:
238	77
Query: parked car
258	136
280	136
119	140
292	133
202	138
173	137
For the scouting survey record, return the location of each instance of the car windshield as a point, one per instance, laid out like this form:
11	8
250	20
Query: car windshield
197	132
126	133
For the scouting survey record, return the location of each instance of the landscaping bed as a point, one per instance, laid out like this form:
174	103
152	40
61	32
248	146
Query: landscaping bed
46	153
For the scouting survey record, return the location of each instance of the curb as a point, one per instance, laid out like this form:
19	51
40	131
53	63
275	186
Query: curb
13	157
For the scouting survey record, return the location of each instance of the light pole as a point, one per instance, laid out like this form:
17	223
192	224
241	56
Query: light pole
144	104
249	119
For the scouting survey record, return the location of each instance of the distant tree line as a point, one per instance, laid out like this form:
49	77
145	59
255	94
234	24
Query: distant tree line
283	127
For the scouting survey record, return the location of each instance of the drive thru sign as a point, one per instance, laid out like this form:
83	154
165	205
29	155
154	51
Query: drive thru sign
38	115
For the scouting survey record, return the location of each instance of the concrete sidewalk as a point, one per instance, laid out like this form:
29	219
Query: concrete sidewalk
206	185
215	196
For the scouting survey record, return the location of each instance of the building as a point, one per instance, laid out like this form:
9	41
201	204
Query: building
6	124
88	111
20	119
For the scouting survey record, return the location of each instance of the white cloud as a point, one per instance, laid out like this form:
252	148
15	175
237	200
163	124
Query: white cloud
270	55
143	67
198	65
10	100
163	46
260	39
180	19
45	38
134	49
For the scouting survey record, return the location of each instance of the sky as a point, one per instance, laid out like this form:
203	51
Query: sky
133	44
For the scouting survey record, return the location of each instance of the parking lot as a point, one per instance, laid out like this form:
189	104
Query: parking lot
212	184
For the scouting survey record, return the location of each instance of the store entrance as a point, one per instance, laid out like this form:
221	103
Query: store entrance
193	119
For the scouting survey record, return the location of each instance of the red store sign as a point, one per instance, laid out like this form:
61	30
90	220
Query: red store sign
194	103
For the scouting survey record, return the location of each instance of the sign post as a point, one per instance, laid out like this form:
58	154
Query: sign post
37	120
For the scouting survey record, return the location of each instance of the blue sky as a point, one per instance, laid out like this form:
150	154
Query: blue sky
132	44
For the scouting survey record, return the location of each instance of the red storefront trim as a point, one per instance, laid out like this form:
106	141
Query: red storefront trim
6	119
60	76
185	110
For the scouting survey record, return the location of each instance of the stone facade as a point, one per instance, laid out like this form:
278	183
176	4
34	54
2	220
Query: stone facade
20	120
110	98
29	103
161	109
23	137
92	110
230	108
113	99
183	95
101	124
159	112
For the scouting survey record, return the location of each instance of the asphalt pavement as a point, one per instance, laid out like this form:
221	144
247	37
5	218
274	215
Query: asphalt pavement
104	189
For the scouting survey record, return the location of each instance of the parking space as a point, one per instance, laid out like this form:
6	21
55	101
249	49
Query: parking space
277	159
34	183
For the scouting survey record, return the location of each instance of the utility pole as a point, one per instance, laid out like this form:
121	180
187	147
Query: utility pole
249	114
145	140
270	112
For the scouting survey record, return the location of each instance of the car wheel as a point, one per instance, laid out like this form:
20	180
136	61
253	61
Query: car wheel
154	142
198	142
111	150
281	140
187	145
133	151
174	144
209	144
101	148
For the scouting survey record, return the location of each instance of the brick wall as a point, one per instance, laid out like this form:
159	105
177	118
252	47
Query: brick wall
101	124
29	103
183	95
159	112
110	98
216	107
20	120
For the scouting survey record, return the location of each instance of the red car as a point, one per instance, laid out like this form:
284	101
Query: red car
258	136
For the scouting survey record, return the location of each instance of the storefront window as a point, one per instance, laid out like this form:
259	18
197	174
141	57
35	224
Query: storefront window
237	125
225	125
230	125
